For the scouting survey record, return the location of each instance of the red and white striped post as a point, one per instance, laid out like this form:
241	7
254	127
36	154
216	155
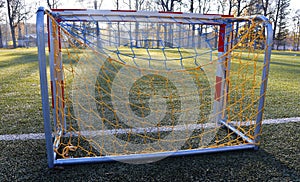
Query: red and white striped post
56	74
220	76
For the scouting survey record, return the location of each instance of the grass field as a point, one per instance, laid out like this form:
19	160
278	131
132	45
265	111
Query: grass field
21	113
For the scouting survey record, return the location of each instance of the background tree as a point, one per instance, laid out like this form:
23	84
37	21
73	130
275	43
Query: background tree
117	3
276	17
16	10
98	6
128	3
240	7
280	20
204	6
95	4
53	4
168	5
245	7
222	5
254	8
265	4
1	6
230	6
191	10
296	30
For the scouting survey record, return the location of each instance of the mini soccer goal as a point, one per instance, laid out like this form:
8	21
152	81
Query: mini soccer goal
138	86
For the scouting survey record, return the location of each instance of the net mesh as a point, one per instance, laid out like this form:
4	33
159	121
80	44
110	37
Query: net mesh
121	88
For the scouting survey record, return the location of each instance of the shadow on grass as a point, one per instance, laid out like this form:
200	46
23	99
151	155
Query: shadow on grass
288	53
237	166
18	66
19	57
281	67
26	160
248	165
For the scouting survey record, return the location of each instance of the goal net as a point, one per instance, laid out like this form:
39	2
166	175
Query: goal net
137	86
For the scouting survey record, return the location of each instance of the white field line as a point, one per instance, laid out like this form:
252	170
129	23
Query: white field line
38	136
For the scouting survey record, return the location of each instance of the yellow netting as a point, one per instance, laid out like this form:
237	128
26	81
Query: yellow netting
115	97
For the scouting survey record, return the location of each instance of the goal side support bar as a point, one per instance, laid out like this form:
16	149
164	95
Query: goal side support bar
44	86
263	87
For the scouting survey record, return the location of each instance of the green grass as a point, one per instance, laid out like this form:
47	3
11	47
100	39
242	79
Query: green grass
20	112
277	160
20	105
283	97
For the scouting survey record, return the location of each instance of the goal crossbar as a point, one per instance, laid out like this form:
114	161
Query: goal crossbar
137	16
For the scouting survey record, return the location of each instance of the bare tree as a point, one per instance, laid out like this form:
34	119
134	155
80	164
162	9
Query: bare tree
204	6
98	6
276	18
296	36
168	5
138	4
266	7
1	6
117	2
243	7
240	7
230	6
16	14
192	6
221	6
128	3
54	4
280	20
254	8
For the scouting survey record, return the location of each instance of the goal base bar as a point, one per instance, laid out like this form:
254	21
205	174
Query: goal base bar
236	131
149	156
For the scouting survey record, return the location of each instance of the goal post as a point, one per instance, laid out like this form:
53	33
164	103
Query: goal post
138	86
